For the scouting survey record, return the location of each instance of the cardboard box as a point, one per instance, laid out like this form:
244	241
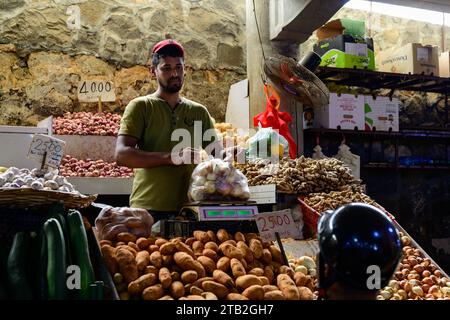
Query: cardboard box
345	112
444	64
381	113
412	58
343	44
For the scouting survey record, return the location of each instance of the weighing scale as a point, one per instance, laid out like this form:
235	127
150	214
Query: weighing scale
219	210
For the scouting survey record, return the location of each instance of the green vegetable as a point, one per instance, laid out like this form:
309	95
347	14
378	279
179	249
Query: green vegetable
56	260
80	252
18	282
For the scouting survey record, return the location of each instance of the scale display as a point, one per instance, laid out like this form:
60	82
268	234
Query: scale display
228	213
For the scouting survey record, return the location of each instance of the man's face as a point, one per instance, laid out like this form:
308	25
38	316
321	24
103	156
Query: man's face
170	74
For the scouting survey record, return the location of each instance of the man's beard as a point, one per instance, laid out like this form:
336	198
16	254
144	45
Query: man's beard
171	88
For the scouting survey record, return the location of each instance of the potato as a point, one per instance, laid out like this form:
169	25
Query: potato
176	289
127	247
127	264
176	239
109	256
199	268
222	235
164	277
274	295
189	276
190	241
257	272
142	260
266	256
257	248
223	278
269	273
167	261
160	241
151	269
137	286
223	264
250	236
276	266
142	243
168	248
232	252
207	263
126	237
254	292
237	268
209	296
288	287
193	297
195	290
198	247
181	247
212	235
248	254
269	287
264	281
309	282
287	270
244	264
236	296
105	242
276	254
239	236
212	246
201	236
152	248
166	297
156	259
153	292
300	279
198	283
218	289
124	295
151	240
305	293
210	254
243	282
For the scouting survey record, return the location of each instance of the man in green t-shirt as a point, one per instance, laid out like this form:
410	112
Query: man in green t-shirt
150	133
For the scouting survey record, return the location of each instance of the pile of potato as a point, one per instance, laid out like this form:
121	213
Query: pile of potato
300	176
230	136
330	201
87	123
207	266
417	278
73	167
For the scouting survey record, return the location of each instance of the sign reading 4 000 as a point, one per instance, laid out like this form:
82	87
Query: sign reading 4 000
92	90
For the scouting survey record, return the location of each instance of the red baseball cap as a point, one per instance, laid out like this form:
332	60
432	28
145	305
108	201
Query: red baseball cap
168	42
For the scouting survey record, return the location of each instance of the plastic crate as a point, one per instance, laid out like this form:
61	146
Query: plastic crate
310	216
185	229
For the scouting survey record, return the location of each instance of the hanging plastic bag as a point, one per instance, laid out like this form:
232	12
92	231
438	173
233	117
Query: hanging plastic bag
351	160
276	119
267	143
216	179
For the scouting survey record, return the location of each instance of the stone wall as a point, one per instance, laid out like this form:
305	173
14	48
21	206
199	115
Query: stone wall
48	47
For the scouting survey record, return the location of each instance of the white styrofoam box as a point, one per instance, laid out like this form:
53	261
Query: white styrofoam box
381	113
263	194
93	147
345	111
113	186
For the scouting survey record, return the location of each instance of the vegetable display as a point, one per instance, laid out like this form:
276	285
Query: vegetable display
73	167
87	123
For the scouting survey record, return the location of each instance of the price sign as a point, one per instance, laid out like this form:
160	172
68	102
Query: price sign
47	150
278	221
93	90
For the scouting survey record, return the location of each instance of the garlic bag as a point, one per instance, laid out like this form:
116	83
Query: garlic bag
318	154
352	161
216	179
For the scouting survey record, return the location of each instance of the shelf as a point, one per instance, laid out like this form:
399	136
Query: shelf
374	80
403	167
404	133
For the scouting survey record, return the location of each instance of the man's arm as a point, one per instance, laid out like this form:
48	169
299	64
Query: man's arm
127	155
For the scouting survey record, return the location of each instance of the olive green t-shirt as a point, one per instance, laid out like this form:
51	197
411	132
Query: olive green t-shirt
152	121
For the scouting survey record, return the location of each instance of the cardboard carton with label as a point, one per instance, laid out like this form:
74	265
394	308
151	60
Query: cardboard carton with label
344	111
343	44
381	113
413	58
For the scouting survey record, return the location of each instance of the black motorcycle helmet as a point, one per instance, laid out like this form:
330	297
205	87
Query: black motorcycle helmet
352	238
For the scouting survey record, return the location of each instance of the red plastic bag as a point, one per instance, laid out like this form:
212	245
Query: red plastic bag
276	119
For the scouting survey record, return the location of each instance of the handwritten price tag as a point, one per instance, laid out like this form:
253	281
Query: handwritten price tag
278	221
92	90
47	147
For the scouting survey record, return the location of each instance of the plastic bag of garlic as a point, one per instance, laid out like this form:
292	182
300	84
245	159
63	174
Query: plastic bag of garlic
216	179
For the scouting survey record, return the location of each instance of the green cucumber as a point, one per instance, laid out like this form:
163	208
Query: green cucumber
80	252
56	260
57	211
18	283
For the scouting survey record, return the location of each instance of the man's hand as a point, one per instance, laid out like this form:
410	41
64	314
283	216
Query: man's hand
187	156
